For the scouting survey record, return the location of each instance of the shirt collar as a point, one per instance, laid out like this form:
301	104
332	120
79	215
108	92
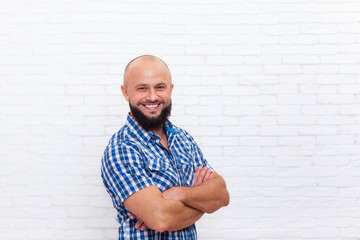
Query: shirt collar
145	135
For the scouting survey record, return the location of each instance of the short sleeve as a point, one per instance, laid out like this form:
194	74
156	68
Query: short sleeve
123	171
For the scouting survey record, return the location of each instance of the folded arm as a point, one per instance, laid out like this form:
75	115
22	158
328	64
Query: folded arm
174	215
158	213
207	197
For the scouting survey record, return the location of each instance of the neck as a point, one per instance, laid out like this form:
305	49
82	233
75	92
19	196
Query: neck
160	132
163	138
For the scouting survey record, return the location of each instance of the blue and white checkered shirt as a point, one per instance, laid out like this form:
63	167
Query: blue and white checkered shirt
135	159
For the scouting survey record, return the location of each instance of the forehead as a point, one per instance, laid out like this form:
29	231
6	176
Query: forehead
147	72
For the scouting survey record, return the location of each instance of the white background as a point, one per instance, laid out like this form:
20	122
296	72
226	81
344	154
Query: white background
269	89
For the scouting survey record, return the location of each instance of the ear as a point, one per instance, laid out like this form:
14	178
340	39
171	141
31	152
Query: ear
124	92
171	88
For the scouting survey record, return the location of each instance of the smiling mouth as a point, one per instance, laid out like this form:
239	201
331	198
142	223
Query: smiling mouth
151	106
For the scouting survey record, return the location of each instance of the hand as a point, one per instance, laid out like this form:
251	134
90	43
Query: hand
202	174
139	224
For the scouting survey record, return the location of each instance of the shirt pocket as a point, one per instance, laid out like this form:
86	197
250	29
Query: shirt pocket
187	167
161	173
157	164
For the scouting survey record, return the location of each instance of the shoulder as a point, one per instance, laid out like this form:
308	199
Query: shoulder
121	143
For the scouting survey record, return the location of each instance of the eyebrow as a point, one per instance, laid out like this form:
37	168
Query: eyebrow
141	85
145	84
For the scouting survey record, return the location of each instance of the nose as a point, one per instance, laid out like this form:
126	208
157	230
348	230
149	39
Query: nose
152	95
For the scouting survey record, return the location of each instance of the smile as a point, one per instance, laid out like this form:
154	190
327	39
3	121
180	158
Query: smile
151	106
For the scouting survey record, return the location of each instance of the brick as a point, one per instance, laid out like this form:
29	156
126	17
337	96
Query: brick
220	60
87	110
295	141
104	100
257	100
323	89
263	59
240	130
281	110
258	141
296	99
279	130
346	58
204	110
282	69
242	50
335	99
343	120
240	90
201	90
320	109
298	39
215	100
294	120
242	70
335	140
277	29
333	79
85	90
219	141
338	38
217	121
242	110
202	49
257	120
324	68
318	49
351	109
337	17
349	89
279	89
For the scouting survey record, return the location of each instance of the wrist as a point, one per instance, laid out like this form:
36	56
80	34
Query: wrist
182	194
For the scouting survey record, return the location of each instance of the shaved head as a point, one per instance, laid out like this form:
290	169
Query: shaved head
142	63
147	87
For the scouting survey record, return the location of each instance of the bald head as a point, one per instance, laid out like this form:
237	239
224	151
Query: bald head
147	87
145	64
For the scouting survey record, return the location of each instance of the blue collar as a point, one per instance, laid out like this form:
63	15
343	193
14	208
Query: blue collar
145	135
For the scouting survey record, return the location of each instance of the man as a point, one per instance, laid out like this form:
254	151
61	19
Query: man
155	173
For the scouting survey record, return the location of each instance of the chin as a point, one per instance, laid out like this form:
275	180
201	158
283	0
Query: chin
151	120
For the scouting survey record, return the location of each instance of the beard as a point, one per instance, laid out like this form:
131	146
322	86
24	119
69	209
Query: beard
154	123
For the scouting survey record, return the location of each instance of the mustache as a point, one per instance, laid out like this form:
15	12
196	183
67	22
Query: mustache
154	102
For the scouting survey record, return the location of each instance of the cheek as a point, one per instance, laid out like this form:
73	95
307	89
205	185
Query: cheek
166	97
136	99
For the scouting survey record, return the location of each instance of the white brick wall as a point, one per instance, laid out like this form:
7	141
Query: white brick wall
269	89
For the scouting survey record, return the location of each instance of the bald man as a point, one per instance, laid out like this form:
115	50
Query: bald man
158	179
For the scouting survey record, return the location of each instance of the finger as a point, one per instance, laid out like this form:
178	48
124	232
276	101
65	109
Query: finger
207	175
139	223
197	181
132	216
202	174
211	176
197	171
143	227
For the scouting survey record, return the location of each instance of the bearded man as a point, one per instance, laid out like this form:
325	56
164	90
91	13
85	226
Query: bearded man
158	179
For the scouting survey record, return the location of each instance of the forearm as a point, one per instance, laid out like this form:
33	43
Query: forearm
206	197
176	215
159	213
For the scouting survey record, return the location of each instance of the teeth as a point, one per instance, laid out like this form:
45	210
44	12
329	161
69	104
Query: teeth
151	106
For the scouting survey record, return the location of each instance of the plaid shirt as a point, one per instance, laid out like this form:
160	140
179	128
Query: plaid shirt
135	159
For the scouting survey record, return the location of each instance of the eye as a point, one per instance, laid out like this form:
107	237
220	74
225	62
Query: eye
161	87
